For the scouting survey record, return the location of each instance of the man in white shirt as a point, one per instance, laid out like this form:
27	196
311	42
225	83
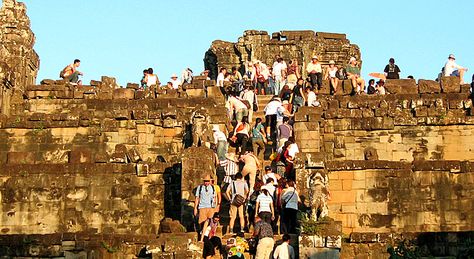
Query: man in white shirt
251	97
221	77
285	250
453	69
271	111
279	69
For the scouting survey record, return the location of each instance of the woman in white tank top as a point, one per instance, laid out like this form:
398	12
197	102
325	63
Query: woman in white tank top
331	75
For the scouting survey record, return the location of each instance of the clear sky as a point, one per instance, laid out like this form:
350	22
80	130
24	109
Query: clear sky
122	37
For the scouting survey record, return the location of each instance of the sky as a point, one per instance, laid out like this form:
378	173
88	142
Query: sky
120	38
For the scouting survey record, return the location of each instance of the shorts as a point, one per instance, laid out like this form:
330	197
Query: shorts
206	213
455	73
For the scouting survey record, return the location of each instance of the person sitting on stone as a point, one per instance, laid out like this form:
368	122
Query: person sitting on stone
71	74
312	98
221	77
187	76
175	81
371	87
380	88
143	82
391	70
453	69
331	75
315	72
151	79
353	73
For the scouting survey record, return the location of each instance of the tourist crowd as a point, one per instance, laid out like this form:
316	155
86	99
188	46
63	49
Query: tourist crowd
264	197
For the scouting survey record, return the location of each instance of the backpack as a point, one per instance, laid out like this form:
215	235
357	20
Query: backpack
61	74
213	192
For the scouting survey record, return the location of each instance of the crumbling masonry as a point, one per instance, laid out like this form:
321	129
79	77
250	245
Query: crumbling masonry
94	170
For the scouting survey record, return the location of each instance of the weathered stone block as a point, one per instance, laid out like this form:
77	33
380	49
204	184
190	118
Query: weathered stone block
21	158
124	93
428	86
196	92
450	84
401	86
78	156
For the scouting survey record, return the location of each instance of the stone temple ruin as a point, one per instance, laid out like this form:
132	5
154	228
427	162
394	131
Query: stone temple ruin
98	171
299	45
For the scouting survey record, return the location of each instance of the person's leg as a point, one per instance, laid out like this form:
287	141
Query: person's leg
255	146
261	153
252	175
240	210
361	82
245	170
243	148
221	150
314	79
233	215
461	75
319	80
353	83
250	114
290	220
273	122
267	124
74	77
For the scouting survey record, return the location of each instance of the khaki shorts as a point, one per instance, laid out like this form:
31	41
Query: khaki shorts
206	213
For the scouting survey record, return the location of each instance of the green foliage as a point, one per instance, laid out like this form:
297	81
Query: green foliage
310	226
110	249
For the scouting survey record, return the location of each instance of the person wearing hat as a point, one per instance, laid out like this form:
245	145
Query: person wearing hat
206	74
331	75
175	81
315	72
453	69
220	139
205	202
353	73
392	71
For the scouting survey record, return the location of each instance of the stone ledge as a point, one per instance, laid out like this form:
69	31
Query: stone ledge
84	168
451	166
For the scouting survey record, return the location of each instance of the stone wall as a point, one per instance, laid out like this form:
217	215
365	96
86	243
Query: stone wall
299	45
398	163
19	63
96	158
